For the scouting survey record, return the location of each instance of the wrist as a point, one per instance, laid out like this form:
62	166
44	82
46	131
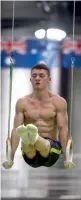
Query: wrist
12	156
64	154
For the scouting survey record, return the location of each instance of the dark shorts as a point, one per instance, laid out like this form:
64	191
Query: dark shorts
38	160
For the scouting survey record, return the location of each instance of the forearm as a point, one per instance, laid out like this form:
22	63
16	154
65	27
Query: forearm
64	140
14	143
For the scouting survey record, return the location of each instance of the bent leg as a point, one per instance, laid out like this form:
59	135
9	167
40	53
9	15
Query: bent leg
43	146
29	135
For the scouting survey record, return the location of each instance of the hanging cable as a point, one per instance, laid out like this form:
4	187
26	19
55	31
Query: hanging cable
11	73
72	70
69	149
8	141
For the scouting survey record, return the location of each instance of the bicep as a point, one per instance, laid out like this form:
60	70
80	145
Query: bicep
19	115
62	116
18	119
62	119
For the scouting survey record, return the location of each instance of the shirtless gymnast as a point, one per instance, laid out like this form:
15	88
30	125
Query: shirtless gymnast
41	122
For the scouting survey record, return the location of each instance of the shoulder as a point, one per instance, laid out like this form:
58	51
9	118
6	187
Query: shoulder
59	102
21	102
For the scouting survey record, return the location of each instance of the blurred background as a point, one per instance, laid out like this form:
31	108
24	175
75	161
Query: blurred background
42	33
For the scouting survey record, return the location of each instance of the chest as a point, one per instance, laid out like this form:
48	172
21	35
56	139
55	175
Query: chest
43	111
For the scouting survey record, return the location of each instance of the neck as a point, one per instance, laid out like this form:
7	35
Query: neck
41	95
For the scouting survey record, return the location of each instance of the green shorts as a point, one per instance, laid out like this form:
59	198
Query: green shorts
38	160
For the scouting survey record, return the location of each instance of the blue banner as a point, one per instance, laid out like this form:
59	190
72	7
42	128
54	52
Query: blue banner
27	53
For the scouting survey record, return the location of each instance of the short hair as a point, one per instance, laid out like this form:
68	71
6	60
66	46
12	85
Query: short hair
41	66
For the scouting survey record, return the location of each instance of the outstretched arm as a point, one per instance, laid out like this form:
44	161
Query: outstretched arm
18	120
62	123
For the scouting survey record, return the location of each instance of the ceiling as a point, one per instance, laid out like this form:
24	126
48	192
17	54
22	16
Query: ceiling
42	13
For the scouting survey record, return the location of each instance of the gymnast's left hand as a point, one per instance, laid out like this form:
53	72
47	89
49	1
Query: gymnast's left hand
7	165
68	165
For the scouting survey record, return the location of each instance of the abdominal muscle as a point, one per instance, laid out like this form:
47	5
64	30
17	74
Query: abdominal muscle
46	128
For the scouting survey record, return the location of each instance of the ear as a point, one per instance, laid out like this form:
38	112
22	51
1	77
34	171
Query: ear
49	79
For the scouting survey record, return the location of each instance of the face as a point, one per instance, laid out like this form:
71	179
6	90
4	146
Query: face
39	79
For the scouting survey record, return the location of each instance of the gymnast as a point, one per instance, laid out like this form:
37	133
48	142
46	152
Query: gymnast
41	122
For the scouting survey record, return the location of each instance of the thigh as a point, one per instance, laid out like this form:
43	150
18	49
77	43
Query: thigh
42	146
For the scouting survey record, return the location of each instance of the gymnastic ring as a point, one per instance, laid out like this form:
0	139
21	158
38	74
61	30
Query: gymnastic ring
8	150
69	150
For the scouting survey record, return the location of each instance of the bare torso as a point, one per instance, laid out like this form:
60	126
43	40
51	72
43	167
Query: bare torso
42	114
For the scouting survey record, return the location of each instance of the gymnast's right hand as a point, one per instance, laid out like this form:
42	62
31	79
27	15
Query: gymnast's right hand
7	165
